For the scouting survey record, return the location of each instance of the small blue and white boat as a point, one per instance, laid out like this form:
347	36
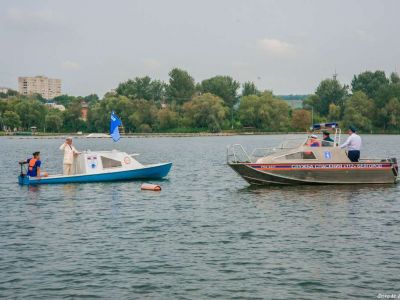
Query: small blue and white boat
103	166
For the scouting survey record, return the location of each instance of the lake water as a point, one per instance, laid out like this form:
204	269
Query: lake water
206	235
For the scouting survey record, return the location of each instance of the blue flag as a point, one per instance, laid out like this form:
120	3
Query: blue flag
115	122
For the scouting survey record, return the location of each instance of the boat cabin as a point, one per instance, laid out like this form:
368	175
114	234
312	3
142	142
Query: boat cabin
94	162
312	149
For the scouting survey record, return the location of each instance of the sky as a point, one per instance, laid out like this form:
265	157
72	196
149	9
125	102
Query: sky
284	46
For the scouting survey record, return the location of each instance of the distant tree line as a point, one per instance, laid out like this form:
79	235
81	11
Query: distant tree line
217	103
371	102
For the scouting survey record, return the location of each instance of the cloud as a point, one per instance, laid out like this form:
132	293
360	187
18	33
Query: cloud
151	63
32	19
364	35
240	64
70	65
275	47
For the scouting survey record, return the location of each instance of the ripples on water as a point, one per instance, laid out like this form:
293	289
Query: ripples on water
205	235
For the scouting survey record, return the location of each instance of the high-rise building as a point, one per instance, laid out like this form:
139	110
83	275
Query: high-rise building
48	88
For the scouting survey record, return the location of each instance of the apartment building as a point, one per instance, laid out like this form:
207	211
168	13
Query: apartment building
47	87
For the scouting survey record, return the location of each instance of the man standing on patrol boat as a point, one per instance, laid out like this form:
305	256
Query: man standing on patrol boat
353	145
69	155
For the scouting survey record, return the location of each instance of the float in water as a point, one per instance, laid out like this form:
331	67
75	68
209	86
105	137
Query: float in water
101	166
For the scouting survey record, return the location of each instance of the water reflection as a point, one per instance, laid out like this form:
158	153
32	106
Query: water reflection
319	190
115	201
69	191
343	199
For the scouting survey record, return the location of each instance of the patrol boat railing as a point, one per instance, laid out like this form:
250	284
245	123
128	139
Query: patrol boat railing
236	154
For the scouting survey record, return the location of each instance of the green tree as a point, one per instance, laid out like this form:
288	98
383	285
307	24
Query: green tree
222	86
328	91
11	120
31	113
369	82
38	97
394	78
53	121
281	112
181	86
249	88
98	120
334	113
4	105
301	119
142	88
390	114
264	112
359	111
385	93
145	128
72	117
99	113
144	112
91	98
9	93
167	118
64	100
205	111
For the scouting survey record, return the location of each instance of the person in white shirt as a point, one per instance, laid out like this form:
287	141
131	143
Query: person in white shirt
353	145
69	155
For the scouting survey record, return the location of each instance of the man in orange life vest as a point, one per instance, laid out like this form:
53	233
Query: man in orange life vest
34	165
313	141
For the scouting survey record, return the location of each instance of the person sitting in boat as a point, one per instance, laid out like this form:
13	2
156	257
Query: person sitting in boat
313	141
326	139
353	145
69	155
34	164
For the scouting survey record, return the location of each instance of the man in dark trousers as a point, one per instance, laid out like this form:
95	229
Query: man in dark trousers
353	145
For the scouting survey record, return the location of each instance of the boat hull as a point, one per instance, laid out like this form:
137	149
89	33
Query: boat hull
295	174
149	172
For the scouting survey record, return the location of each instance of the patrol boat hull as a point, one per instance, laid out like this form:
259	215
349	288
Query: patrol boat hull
317	173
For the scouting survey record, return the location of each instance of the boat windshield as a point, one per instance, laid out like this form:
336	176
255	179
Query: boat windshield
292	143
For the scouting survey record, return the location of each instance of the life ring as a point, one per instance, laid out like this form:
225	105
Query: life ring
127	160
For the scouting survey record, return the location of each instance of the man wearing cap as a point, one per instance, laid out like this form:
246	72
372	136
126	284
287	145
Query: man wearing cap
313	141
69	155
326	139
353	145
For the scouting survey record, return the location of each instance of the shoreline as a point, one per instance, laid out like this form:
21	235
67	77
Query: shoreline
151	135
145	135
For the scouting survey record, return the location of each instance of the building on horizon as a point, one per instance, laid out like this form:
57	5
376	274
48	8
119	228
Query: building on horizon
53	105
48	88
84	110
4	90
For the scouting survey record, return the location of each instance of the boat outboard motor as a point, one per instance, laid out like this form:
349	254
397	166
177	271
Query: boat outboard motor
22	163
395	168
